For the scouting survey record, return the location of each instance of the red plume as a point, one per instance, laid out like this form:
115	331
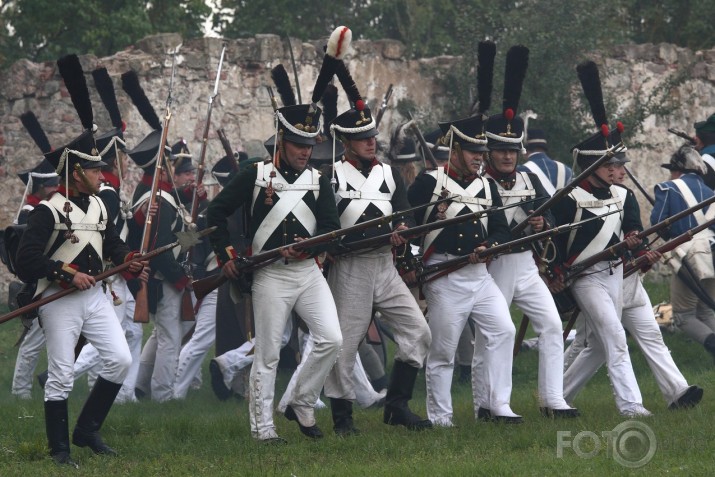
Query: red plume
604	130
509	114
620	127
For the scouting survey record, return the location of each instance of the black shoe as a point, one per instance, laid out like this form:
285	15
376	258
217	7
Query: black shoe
139	394
342	411
345	430
63	458
690	398
403	416
313	431
484	414
42	379
217	383
559	413
508	419
92	440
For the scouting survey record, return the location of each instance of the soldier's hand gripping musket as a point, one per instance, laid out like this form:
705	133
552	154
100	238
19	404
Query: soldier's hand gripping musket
204	286
437	270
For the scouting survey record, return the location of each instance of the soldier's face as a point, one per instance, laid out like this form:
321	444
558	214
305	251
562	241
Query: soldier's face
94	180
297	155
184	178
503	160
606	173
472	160
619	174
363	148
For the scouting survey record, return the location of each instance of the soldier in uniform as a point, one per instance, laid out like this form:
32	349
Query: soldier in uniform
515	272
598	290
470	292
553	175
167	281
112	148
66	241
288	201
686	188
367	280
638	319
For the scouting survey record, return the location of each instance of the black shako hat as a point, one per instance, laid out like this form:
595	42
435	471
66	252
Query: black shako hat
506	130
467	132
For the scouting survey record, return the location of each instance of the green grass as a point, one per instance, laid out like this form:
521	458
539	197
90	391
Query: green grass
202	436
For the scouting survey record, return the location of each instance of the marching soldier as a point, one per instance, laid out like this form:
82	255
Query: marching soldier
66	241
167	281
367	281
686	188
470	292
638	319
598	290
288	201
515	272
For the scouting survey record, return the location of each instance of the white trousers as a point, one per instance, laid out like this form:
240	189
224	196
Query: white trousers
89	360
193	353
518	278
638	319
278	289
599	295
87	312
160	355
27	356
365	395
362	284
468	294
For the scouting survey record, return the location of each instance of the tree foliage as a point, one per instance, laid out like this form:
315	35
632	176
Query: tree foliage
43	30
687	23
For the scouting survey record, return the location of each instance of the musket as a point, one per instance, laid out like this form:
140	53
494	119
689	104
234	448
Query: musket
426	151
614	250
561	193
206	285
691	140
187	307
458	262
634	265
295	72
184	240
418	231
141	309
639	186
383	106
274	102
224	142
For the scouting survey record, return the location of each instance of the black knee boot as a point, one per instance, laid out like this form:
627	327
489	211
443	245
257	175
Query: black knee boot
397	412
58	436
342	410
95	410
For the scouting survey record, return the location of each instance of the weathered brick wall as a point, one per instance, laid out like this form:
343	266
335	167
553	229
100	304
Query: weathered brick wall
243	107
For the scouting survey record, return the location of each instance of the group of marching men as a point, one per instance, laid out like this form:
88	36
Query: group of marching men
475	185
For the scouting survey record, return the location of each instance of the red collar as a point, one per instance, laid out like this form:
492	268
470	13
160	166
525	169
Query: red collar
32	200
454	174
359	164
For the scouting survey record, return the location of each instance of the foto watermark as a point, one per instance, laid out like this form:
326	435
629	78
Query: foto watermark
631	443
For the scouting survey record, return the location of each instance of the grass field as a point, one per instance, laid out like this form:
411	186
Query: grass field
203	436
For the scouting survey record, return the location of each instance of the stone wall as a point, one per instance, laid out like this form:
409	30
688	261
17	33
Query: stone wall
243	107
